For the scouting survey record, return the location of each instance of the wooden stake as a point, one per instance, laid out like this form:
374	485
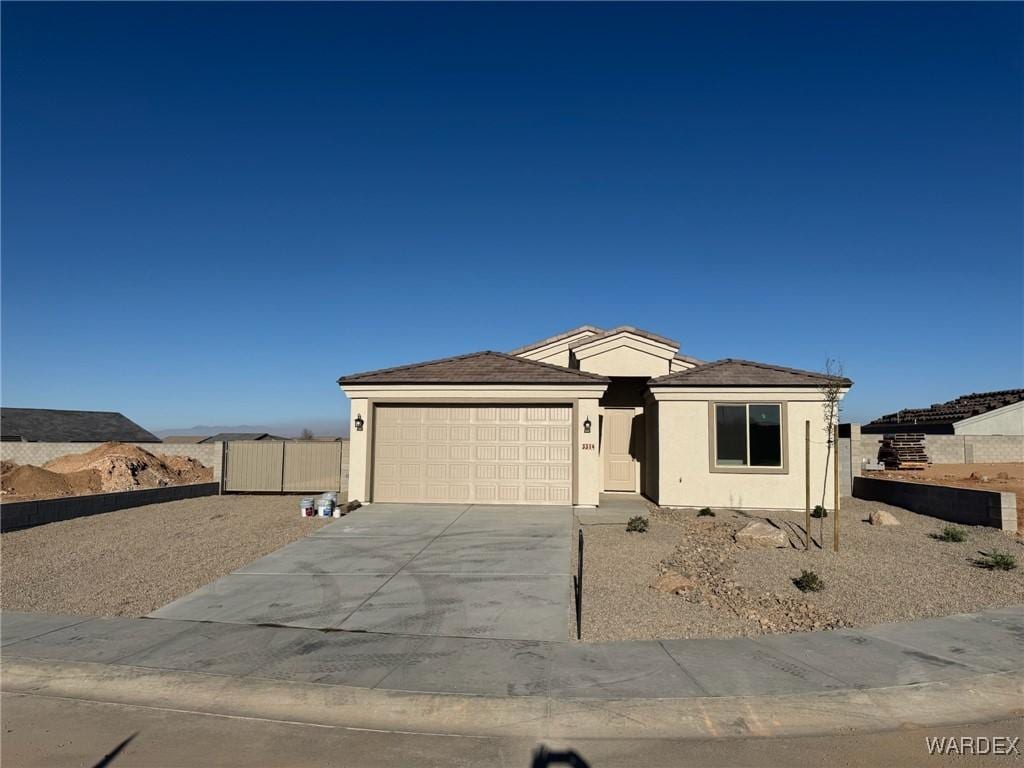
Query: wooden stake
807	479
835	479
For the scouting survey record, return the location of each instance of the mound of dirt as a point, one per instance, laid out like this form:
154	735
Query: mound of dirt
107	468
189	470
30	481
124	467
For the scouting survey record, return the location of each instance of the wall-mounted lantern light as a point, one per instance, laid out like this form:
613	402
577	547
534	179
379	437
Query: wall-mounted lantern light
586	426
359	422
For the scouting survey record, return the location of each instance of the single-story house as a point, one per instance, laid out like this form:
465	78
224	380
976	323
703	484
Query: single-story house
586	412
227	437
48	425
979	413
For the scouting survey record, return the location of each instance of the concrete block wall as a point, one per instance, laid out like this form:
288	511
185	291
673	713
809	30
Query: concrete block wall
37	454
958	505
949	449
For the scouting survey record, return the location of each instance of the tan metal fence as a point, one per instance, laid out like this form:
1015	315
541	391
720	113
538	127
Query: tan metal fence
285	466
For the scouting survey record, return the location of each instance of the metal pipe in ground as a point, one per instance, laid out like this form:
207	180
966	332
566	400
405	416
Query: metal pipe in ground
579	589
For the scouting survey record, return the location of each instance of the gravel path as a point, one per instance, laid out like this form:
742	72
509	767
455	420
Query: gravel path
881	574
131	562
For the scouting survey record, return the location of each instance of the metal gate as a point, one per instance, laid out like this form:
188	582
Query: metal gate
285	466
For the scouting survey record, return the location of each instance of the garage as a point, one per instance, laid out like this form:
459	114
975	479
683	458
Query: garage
466	453
483	428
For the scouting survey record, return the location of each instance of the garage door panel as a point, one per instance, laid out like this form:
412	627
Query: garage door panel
487	454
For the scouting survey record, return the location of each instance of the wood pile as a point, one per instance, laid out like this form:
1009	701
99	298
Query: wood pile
903	451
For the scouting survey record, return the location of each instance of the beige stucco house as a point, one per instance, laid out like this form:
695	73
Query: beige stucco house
587	412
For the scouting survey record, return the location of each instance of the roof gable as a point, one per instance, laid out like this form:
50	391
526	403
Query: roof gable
587	329
486	367
46	425
624	330
743	373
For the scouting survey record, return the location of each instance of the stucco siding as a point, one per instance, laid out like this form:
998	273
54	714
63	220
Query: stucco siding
686	478
1008	420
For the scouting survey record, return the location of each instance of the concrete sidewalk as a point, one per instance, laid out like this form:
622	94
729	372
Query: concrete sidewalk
417	569
970	662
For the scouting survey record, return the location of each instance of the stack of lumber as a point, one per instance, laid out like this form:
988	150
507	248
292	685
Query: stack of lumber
904	451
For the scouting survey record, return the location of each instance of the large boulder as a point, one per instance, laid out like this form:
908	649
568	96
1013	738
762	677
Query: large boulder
881	517
761	534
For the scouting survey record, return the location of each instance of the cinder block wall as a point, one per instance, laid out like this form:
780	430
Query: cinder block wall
38	454
956	449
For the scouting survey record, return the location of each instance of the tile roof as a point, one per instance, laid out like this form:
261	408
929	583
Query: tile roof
46	425
624	329
951	411
556	337
742	373
476	368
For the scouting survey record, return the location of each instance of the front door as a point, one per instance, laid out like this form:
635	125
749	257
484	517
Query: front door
617	445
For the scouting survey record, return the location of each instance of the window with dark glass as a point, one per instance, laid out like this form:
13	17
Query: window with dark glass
748	435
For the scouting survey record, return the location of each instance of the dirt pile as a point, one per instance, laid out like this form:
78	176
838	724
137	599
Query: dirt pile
706	560
107	468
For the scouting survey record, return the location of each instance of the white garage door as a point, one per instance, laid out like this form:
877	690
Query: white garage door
497	454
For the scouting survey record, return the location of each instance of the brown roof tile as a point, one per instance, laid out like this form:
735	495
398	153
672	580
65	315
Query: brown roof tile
556	337
625	329
742	373
476	368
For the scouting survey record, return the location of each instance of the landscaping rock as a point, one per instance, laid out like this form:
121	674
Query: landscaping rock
881	517
761	534
673	583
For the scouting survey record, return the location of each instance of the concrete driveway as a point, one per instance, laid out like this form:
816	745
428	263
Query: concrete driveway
434	569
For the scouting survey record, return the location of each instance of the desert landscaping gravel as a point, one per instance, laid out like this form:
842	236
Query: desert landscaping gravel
881	574
131	562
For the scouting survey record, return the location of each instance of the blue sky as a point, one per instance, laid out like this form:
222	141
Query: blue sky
210	212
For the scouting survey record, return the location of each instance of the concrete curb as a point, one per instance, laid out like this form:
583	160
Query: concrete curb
974	699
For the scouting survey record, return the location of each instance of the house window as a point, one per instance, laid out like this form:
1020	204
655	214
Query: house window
748	435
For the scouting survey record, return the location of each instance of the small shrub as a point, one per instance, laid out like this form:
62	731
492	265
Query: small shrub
706	512
637	524
819	512
996	561
952	533
809	581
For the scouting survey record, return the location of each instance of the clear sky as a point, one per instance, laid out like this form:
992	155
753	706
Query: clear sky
210	212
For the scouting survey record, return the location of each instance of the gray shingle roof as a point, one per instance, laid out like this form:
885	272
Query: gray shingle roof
625	329
46	425
476	368
742	373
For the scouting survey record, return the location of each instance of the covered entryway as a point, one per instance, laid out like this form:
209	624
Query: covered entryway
499	454
619	449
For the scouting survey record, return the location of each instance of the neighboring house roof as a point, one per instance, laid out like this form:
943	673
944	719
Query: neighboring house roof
226	437
185	438
950	412
477	368
743	373
624	329
555	338
45	425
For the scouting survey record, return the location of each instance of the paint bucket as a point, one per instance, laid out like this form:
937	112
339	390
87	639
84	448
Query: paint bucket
307	507
325	506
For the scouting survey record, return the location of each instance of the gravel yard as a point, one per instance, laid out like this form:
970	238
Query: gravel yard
881	574
130	562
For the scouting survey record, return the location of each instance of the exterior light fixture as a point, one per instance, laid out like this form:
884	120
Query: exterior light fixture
359	422
586	426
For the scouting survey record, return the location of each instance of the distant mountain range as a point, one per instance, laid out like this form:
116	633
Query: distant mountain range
320	428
